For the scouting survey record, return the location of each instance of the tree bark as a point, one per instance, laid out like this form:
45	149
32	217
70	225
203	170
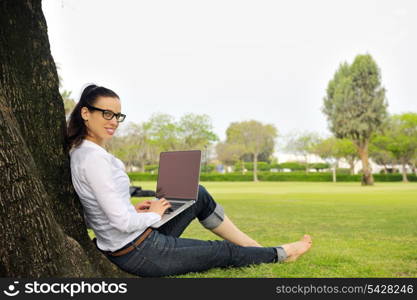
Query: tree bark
42	230
352	166
404	171
255	167
243	166
367	178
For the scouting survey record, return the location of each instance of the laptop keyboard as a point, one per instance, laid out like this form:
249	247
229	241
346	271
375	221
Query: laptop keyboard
174	206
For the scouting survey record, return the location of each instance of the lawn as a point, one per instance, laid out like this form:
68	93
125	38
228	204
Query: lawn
357	231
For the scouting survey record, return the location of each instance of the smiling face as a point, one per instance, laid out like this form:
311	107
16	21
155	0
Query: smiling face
100	130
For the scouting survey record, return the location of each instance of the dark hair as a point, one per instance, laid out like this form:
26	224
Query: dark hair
77	130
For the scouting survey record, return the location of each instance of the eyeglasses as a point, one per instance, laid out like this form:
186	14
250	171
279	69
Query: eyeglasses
108	114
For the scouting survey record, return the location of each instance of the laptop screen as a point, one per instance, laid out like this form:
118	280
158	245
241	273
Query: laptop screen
179	175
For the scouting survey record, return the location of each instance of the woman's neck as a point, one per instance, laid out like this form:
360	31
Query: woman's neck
91	139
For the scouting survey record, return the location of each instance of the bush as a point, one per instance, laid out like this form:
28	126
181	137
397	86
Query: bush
226	177
276	166
319	166
150	168
343	171
394	177
237	167
137	176
302	176
207	168
262	166
269	176
293	166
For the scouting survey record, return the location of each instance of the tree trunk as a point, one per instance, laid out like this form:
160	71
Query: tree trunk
404	171
367	178
352	166
334	172
255	167
42	230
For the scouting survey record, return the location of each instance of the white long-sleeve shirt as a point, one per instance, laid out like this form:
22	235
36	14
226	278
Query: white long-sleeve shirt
102	185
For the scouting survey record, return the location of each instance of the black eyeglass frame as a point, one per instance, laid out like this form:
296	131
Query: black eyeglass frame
119	115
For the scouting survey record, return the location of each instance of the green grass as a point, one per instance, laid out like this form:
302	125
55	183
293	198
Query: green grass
357	231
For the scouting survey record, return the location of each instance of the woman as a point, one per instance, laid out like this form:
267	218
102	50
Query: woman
123	231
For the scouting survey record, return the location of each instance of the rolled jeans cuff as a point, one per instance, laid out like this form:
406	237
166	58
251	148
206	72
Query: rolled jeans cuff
215	218
281	254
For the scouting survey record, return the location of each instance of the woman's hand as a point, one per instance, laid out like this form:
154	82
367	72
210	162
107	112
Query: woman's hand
143	206
159	206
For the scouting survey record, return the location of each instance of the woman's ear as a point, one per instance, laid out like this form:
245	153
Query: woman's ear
85	113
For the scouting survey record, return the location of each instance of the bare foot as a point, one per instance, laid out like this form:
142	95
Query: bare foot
295	250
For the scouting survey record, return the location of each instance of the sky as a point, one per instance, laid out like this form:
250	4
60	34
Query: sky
239	60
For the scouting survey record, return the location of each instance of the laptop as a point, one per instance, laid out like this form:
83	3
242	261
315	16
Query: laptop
178	178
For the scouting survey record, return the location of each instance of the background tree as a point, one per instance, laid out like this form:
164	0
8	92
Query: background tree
264	156
326	149
413	163
346	149
355	106
230	154
42	232
163	132
132	146
139	144
400	139
253	136
381	156
191	132
196	131
302	144
69	103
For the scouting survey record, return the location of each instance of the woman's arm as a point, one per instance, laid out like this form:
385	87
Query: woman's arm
98	173
156	206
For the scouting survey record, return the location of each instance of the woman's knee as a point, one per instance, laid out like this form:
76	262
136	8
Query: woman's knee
201	190
213	213
214	219
204	196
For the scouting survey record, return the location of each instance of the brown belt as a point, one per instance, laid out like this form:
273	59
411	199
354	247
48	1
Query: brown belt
124	251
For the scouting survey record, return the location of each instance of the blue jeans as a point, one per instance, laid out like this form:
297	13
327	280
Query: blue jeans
163	253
